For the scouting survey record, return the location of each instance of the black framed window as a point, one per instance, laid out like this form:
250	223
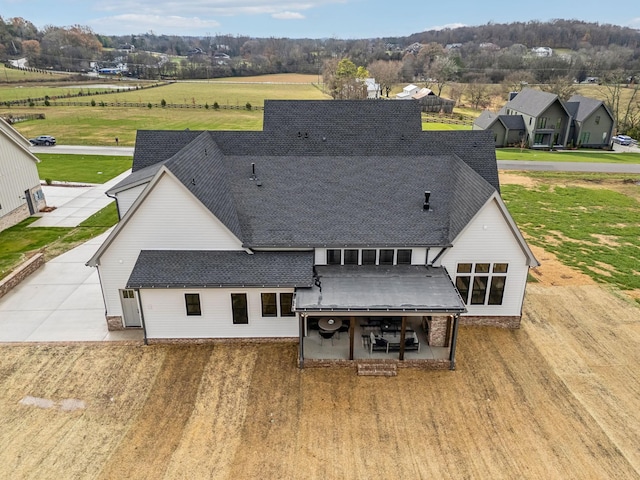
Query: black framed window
496	291
500	267
482	267
269	307
286	305
239	308
351	257
464	268
404	257
334	256
479	290
368	257
192	301
386	256
462	284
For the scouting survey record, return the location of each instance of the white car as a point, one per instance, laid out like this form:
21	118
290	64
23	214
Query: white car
623	140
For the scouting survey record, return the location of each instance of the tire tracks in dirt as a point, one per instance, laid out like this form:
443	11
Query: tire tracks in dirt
145	451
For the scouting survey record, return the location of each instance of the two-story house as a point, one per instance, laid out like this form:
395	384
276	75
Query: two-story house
341	226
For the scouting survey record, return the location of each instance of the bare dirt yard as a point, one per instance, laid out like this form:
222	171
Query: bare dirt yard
557	399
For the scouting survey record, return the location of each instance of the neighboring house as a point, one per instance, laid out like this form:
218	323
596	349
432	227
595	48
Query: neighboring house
373	88
20	191
542	51
543	120
593	123
408	92
337	214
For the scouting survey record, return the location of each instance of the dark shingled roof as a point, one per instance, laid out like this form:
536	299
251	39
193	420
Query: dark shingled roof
513	122
581	107
532	102
333	173
488	118
199	269
398	288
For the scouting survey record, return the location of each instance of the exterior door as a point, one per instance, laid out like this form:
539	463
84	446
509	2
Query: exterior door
130	309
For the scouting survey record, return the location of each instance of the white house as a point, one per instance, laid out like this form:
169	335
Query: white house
20	191
373	88
315	225
408	92
542	51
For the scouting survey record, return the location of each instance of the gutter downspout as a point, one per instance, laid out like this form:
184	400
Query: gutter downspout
301	341
454	340
117	206
144	326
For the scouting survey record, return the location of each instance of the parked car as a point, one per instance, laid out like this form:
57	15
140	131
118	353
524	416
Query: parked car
623	139
43	140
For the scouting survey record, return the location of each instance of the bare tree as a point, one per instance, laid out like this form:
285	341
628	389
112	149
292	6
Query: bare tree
564	87
386	73
443	71
623	101
478	93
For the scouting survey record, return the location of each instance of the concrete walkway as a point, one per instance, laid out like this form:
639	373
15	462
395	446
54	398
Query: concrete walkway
61	302
74	203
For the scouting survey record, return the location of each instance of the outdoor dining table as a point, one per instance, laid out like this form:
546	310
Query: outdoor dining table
329	324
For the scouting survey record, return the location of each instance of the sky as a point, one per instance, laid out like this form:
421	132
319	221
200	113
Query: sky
345	19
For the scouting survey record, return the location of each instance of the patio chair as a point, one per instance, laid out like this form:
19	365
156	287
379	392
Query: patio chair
378	344
325	335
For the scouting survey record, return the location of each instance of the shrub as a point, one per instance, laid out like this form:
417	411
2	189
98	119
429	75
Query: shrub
47	102
32	104
206	105
149	105
216	106
93	103
48	181
163	103
248	106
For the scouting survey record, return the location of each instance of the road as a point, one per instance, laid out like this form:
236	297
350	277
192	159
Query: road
502	164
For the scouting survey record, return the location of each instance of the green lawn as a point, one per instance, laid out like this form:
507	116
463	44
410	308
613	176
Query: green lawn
81	168
444	126
21	241
567	156
593	229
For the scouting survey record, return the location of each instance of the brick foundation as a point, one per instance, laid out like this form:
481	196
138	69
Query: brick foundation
114	323
20	273
439	328
512	322
14	216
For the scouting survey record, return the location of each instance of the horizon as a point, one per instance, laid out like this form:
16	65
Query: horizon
316	19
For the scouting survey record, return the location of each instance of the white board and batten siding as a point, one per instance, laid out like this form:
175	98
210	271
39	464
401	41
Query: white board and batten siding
127	197
489	239
165	315
18	172
170	218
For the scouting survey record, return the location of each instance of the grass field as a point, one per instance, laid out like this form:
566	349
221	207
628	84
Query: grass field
81	168
8	75
20	241
588	221
567	156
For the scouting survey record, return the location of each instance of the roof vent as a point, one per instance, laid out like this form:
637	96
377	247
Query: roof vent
425	205
253	172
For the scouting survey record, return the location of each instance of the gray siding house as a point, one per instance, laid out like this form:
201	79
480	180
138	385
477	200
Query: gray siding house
543	120
318	230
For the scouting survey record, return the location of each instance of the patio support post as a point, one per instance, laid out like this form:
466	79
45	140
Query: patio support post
402	337
352	329
301	322
454	339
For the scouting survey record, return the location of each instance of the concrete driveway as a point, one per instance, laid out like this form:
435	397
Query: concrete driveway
61	302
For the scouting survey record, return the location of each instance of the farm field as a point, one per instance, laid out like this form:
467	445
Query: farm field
567	156
557	399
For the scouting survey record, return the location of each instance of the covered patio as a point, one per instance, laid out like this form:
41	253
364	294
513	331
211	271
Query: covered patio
401	313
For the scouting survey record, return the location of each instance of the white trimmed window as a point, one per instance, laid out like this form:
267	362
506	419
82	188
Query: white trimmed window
481	283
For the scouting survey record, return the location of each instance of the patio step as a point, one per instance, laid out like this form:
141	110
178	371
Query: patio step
379	369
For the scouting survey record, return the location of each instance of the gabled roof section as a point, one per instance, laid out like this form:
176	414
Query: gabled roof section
512	122
330	118
136	178
584	107
207	269
200	167
154	146
486	119
532	102
11	134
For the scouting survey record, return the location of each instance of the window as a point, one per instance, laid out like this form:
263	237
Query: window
286	305
462	284
404	257
597	120
496	291
558	123
269	307
334	257
538	139
368	257
192	300
239	308
351	257
473	286
386	257
584	137
479	290
542	122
